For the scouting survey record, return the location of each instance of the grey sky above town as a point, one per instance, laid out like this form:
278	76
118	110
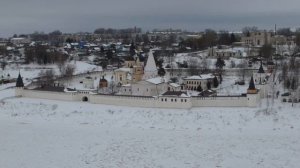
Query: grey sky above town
27	16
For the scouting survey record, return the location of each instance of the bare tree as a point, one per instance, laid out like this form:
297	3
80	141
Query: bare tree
3	65
284	74
204	65
242	68
46	77
69	70
193	66
249	29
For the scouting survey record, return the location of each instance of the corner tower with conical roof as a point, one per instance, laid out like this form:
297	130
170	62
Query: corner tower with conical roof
150	70
260	72
19	86
251	89
19	82
252	96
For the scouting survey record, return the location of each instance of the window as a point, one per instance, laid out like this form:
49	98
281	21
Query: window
184	100
166	100
171	100
175	100
162	100
181	100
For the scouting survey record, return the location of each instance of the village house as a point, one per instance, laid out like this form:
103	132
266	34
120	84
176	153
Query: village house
227	52
258	38
192	82
19	41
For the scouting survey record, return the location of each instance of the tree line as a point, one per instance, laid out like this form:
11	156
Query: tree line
208	39
42	54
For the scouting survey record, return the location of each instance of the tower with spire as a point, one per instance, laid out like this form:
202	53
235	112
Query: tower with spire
261	72
252	96
150	70
19	86
251	89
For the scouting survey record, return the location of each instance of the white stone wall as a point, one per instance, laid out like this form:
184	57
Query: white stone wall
174	102
252	100
48	95
148	102
219	102
148	89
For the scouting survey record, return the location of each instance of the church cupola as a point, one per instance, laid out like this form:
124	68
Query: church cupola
19	82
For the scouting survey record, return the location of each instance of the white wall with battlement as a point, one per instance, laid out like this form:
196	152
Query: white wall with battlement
233	101
250	100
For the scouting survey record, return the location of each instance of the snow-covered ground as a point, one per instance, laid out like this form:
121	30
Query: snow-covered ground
32	70
44	133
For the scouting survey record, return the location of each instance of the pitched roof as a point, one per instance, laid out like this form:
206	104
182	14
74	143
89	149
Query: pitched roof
251	84
150	65
200	77
156	81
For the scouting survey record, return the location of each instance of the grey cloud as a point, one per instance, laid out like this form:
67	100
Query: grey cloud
26	16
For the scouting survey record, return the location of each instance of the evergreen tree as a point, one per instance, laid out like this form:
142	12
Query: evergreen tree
102	49
132	49
109	54
208	85
221	78
232	38
293	84
288	84
161	71
199	88
220	63
216	82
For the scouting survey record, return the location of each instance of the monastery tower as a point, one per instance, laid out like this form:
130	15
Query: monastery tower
150	70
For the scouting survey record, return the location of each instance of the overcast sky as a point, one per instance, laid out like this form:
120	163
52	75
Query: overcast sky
27	16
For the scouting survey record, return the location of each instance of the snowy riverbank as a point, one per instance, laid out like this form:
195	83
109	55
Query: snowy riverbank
42	133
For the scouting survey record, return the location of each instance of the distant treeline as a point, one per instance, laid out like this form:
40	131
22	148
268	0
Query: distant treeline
41	54
117	31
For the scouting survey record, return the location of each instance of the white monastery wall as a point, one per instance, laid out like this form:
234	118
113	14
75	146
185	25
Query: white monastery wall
219	101
47	95
148	102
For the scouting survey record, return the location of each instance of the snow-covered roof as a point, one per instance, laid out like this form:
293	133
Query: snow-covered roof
174	84
127	85
156	81
200	77
184	95
123	69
